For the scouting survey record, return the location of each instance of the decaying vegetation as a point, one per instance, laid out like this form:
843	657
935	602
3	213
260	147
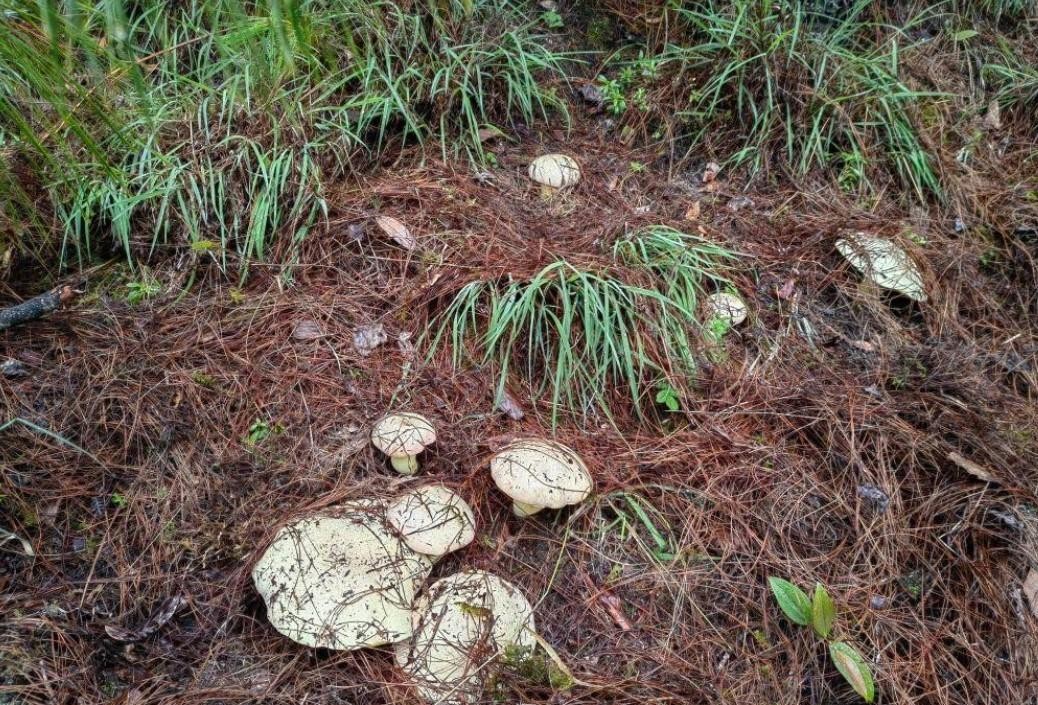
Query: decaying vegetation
284	219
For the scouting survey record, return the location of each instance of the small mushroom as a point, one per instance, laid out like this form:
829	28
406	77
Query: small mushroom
555	171
341	579
884	262
402	437
432	520
537	474
471	618
727	307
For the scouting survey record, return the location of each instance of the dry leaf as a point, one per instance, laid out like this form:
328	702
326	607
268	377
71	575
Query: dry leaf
151	625
397	231
993	117
307	330
694	211
1031	590
978	471
613	607
510	407
786	290
367	338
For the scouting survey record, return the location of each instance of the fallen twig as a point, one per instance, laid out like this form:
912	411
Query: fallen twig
36	307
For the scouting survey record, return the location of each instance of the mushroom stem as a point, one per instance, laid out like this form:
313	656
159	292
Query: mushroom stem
522	509
405	464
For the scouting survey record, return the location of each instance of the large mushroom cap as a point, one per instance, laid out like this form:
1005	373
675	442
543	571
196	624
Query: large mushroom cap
727	307
340	579
471	618
555	170
541	473
402	436
884	262
432	520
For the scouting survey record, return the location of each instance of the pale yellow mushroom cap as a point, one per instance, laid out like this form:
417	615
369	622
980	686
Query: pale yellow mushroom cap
341	579
469	621
536	473
433	520
884	262
402	436
555	170
727	307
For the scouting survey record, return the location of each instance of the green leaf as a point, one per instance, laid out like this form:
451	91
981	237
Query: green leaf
964	34
792	600
823	611
853	668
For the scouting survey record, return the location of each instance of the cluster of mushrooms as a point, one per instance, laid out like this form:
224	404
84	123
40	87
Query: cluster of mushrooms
352	576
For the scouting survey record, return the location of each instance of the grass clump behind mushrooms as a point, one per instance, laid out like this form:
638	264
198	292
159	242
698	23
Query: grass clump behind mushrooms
578	332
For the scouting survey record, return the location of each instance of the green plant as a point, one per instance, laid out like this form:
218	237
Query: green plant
787	83
552	19
119	500
260	430
668	397
819	612
142	290
578	332
632	510
215	124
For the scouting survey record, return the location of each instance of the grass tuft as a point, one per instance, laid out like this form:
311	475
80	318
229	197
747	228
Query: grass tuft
577	333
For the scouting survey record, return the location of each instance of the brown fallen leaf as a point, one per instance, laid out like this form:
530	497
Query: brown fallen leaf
151	625
510	407
397	231
993	117
1031	590
978	471
694	211
613	607
786	290
306	330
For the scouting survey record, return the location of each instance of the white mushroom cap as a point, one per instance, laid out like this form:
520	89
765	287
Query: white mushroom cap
471	618
537	474
555	170
884	262
402	436
727	307
433	520
340	579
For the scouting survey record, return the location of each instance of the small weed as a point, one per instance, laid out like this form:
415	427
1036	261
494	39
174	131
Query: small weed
143	290
260	431
668	397
119	500
552	20
203	379
819	612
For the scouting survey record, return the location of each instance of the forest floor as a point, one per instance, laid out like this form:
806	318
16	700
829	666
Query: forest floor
844	435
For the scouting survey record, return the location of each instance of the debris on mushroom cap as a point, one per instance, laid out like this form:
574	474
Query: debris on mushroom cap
432	520
471	618
555	170
403	436
727	307
541	474
884	262
341	579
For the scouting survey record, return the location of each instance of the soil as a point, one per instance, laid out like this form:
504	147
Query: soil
821	445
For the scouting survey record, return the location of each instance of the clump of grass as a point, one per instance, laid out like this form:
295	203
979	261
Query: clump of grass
151	123
792	85
578	333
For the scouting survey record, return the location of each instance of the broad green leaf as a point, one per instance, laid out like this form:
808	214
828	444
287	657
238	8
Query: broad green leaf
823	611
853	668
792	600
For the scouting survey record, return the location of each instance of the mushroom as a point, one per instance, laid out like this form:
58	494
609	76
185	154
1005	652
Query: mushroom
470	619
538	474
884	262
432	520
727	307
341	579
555	171
402	437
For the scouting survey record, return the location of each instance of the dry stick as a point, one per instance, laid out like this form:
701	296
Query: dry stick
36	307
